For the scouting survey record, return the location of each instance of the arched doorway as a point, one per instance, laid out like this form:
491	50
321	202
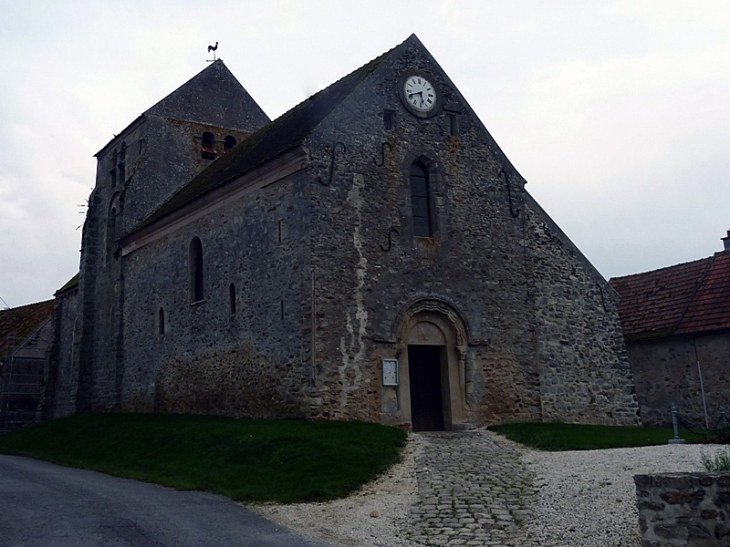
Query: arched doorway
432	342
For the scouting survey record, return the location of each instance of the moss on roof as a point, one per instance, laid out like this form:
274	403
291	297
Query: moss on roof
70	284
278	137
19	323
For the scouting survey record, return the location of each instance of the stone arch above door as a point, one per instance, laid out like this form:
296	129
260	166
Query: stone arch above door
431	322
441	308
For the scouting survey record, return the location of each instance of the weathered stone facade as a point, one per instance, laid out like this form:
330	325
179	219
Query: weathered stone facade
276	281
677	509
666	372
63	377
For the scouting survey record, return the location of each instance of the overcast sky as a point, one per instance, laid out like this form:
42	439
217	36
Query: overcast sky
616	113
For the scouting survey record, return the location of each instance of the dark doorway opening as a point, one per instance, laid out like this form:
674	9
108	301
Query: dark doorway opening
424	370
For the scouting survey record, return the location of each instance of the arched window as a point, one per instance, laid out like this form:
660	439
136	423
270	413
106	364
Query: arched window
229	142
161	321
113	171
208	146
232	298
420	201
196	270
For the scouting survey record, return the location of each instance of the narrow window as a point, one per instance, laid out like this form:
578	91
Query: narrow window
389	119
121	162
113	171
232	297
281	309
453	125
196	270
280	221
420	201
229	142
208	146
161	321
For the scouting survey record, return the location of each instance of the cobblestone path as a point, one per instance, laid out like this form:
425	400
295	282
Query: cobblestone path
473	490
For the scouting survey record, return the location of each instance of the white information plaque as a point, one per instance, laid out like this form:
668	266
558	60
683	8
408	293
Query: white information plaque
390	372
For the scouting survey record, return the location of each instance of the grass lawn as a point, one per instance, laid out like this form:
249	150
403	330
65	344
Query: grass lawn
253	460
558	436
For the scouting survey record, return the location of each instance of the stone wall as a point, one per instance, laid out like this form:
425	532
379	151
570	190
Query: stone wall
585	376
473	264
207	358
63	374
543	338
677	509
665	372
156	155
162	154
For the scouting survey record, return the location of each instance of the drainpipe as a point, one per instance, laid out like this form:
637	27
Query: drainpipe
702	388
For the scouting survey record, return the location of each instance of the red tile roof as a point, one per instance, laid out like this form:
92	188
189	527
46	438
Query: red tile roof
710	307
22	321
682	299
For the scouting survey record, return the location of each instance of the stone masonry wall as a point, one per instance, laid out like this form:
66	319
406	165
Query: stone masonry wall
472	263
678	509
162	154
163	159
254	362
665	372
63	374
585	374
541	321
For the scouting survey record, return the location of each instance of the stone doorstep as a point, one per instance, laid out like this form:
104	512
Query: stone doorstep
463	427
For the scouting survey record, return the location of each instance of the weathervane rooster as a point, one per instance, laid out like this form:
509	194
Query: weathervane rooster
212	48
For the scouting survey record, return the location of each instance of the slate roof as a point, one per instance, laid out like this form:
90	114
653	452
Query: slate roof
687	298
278	137
20	322
213	96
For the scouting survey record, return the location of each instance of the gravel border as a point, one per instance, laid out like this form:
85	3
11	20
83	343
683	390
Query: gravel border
588	498
369	517
585	498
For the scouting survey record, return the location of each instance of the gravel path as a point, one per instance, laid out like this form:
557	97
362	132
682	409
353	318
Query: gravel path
588	498
578	499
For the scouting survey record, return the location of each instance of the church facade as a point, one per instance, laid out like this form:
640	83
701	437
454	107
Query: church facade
371	254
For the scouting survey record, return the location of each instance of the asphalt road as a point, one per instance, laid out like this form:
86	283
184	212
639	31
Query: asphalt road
45	505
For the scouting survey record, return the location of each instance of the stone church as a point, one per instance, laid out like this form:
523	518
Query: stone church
372	254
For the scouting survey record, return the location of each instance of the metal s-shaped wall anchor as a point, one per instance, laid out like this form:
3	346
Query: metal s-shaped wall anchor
382	154
390	240
332	164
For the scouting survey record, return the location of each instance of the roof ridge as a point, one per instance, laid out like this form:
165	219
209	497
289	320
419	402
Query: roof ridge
249	154
28	305
662	268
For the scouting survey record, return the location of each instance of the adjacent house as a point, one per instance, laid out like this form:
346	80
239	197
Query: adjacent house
676	323
26	337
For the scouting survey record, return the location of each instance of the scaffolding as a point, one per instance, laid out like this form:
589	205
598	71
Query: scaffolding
22	373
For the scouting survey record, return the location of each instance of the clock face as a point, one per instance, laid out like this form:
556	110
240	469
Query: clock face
419	94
